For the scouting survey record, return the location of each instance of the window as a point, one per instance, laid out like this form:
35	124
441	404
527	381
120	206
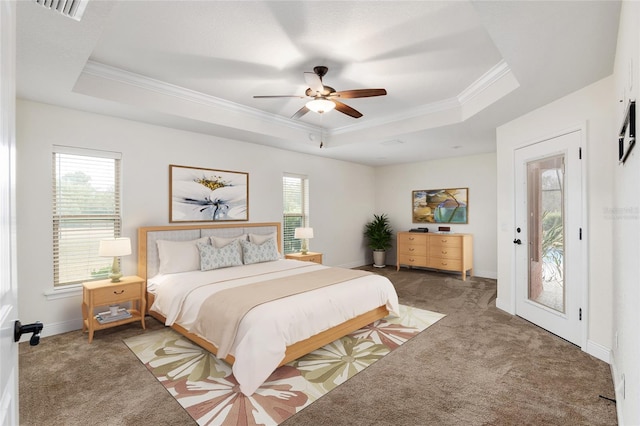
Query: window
86	209
295	190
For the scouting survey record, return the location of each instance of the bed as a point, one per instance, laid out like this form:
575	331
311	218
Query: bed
313	304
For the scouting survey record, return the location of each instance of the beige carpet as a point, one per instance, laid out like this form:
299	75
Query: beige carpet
476	366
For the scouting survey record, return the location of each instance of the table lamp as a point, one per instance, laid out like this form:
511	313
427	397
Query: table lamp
303	234
115	247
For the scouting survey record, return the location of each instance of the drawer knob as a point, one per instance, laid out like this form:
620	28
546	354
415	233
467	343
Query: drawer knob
411	238
118	292
411	249
444	252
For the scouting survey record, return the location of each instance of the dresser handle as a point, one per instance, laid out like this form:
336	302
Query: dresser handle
118	292
411	249
444	241
411	238
444	252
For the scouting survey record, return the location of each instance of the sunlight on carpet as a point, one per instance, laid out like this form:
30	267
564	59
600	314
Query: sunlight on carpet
206	388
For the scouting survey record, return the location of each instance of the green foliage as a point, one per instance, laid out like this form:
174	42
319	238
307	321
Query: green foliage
553	244
379	232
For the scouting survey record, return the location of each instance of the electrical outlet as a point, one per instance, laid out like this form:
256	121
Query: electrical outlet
620	389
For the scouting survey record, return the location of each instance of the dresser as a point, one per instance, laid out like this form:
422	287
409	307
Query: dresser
446	252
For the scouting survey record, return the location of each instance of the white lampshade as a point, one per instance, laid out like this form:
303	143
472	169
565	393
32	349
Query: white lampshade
303	233
114	247
320	105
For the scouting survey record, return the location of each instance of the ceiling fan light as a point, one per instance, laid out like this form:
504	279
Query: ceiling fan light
320	105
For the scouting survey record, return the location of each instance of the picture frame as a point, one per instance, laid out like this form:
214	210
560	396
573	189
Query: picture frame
198	194
449	205
627	134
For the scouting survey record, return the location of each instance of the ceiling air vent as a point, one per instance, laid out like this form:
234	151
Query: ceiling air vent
70	8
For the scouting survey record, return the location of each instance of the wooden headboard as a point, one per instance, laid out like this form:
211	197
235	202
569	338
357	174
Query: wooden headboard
148	260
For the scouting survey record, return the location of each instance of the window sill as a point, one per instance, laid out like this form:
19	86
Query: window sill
63	293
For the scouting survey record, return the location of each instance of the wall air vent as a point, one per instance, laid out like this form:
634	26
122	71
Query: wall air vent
70	8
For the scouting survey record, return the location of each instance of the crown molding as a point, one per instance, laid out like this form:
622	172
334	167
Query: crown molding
498	71
97	69
119	75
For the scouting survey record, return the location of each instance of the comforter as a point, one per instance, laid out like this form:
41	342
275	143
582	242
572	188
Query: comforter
266	330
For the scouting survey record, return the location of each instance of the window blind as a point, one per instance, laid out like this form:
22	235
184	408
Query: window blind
295	190
86	209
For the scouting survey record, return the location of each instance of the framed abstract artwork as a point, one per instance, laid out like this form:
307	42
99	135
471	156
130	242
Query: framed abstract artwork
207	195
440	205
627	134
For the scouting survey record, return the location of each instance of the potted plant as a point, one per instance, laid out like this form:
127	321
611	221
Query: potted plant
379	234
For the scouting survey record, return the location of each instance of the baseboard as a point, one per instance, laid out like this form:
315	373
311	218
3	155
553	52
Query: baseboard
50	329
617	390
485	274
505	306
599	351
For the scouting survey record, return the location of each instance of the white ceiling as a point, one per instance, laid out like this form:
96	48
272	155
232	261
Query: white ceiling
453	70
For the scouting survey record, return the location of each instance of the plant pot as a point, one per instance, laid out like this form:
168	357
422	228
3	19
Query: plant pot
379	257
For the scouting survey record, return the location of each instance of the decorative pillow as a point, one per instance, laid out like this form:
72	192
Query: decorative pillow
179	256
220	242
256	253
261	238
213	257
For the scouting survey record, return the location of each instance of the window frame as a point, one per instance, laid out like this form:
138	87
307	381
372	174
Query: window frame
111	222
290	244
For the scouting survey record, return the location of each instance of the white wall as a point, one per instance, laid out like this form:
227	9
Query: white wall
342	194
591	107
394	185
624	217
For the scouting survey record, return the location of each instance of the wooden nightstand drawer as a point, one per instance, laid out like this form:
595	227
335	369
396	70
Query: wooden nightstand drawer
116	293
309	257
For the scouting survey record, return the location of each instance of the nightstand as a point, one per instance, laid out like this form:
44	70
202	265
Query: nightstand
309	257
105	293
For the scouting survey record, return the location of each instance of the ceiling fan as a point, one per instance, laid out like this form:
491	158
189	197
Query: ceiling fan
325	98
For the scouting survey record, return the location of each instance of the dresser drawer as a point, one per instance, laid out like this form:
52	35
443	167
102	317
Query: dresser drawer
439	241
445	264
415	238
410	260
116	293
413	249
444	252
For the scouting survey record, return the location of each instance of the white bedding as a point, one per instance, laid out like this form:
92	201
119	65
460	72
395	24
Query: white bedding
260	345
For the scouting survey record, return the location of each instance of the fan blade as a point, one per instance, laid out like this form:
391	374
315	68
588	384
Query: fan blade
302	111
280	96
314	82
346	109
359	93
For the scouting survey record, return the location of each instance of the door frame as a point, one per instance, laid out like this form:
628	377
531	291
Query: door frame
9	377
584	247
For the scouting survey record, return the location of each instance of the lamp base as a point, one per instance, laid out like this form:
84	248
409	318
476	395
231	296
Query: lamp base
115	274
303	249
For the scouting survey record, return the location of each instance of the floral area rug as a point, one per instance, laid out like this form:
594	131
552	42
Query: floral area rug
206	388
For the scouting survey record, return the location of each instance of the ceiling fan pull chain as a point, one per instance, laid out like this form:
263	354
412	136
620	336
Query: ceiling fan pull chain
321	130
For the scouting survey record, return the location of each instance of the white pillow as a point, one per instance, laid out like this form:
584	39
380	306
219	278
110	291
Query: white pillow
179	256
261	238
220	242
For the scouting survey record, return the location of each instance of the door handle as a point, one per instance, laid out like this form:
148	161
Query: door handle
517	241
19	330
